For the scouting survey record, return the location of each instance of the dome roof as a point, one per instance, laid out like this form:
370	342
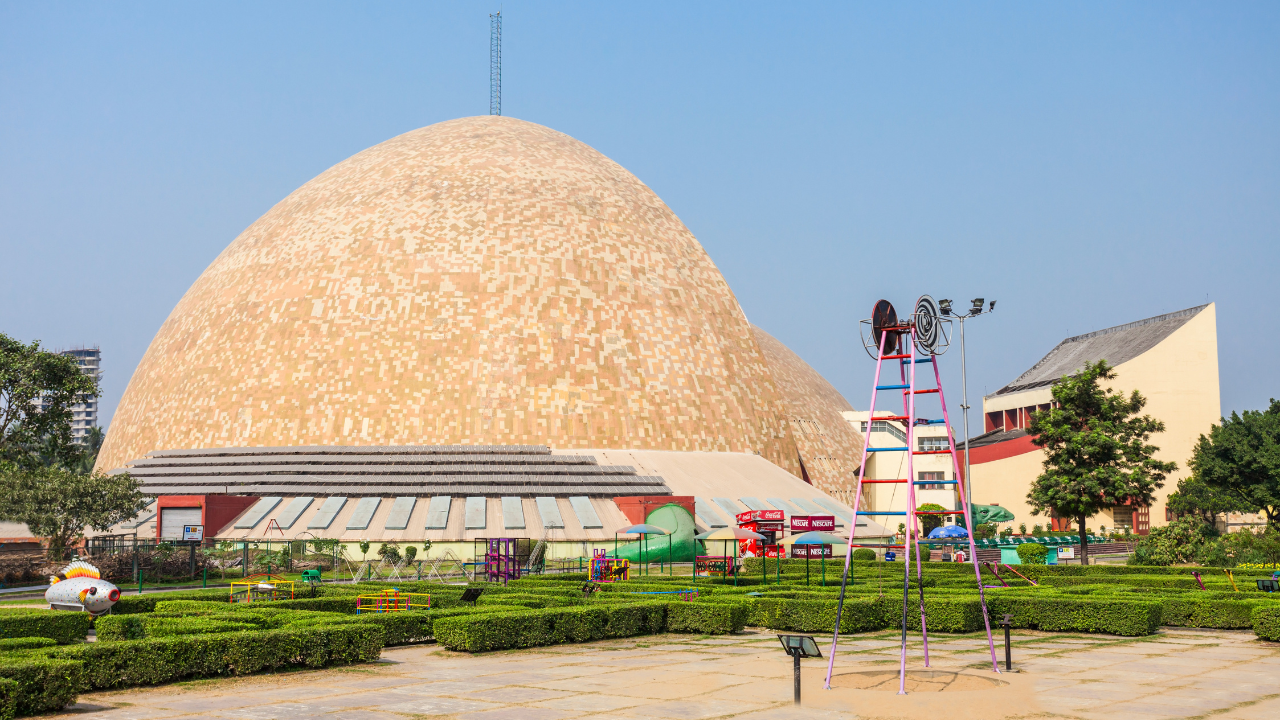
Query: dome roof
479	281
830	450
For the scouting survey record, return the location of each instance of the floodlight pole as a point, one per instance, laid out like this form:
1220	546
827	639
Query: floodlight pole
964	398
795	658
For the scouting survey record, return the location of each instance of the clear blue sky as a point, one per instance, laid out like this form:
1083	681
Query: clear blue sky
1086	164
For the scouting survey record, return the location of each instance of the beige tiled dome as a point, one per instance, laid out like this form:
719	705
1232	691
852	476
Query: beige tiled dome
483	281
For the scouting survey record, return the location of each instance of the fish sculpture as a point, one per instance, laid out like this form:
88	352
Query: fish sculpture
80	587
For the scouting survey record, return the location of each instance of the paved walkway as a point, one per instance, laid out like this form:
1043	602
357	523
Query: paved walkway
1176	674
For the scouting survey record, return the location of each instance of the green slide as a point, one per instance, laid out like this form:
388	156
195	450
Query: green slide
679	523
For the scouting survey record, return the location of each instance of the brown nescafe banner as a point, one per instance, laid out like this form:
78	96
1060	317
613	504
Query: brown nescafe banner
805	523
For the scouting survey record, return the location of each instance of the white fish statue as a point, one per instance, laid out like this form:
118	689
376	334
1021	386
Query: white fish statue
80	586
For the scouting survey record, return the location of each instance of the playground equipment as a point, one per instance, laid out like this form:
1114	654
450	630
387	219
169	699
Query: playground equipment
80	587
1231	578
605	569
311	577
392	601
918	339
504	558
1196	574
714	566
261	587
678	546
643	531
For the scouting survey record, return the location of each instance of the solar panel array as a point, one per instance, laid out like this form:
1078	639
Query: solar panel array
390	471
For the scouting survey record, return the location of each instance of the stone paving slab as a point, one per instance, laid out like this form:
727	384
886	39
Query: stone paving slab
1224	674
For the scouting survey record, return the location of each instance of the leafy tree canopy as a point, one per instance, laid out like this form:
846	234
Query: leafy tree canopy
1096	450
1241	457
59	504
33	435
1195	498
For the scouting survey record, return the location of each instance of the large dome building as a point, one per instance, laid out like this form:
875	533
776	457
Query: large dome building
480	282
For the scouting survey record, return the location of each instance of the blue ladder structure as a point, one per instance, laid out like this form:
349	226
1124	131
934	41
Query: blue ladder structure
904	344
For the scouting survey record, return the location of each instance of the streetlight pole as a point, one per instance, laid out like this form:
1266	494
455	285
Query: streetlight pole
974	311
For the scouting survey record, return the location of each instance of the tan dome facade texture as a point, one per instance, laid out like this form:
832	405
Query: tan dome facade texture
481	281
830	450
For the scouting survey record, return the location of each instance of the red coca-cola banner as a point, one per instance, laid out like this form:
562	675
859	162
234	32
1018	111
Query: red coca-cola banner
757	515
805	523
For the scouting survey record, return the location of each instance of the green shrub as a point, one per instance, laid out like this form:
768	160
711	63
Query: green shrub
111	628
27	643
146	602
864	554
63	626
1130	618
707	618
153	661
1204	613
480	632
1032	553
1266	621
858	615
9	691
43	684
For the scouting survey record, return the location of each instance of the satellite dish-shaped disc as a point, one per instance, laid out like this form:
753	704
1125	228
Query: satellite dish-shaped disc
884	316
928	325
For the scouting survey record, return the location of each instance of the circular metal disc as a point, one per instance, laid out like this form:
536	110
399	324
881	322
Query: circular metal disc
882	316
928	326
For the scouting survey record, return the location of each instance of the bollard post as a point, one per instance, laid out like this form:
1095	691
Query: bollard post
205	582
795	659
1007	623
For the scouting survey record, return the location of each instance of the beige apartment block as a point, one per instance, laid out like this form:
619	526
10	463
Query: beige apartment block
1171	359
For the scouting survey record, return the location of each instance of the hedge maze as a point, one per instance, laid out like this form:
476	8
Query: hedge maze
165	637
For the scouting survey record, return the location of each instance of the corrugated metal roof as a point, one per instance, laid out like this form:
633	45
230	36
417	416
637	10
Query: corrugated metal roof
1115	345
257	512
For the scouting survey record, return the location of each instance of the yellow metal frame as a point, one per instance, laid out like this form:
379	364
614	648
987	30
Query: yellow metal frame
250	590
392	601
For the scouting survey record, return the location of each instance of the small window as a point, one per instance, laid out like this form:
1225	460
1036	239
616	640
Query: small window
933	444
940	477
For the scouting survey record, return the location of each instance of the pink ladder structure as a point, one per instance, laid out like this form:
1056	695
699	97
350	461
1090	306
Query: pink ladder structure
898	341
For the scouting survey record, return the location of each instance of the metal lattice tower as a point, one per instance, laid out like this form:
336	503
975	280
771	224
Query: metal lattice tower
495	63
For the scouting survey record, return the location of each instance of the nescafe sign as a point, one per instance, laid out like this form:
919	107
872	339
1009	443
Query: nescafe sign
805	523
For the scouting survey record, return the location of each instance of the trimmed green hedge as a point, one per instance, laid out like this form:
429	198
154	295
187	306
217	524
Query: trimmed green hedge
707	618
533	628
27	643
42	684
1266	622
1129	618
1197	613
60	625
9	691
153	661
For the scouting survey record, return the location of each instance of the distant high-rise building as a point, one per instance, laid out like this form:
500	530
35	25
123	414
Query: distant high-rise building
84	414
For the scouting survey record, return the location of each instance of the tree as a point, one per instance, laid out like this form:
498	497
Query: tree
1096	450
1196	498
59	504
1241	457
27	374
930	522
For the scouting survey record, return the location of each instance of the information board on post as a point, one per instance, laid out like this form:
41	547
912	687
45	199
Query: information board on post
193	533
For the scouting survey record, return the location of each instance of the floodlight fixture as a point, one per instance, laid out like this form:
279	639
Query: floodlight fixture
977	306
799	646
992	306
945	307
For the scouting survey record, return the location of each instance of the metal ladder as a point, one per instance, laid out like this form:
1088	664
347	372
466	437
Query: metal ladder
907	362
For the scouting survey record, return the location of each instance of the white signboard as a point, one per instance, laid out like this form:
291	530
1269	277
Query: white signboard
193	532
1065	553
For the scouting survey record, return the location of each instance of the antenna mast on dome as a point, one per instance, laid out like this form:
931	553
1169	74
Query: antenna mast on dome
495	63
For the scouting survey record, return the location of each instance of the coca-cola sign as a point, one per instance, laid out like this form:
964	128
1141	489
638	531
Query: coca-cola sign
805	523
760	515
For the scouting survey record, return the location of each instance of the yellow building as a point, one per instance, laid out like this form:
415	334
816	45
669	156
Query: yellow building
1171	359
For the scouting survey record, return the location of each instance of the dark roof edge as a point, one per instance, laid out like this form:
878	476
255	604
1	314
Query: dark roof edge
1008	389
